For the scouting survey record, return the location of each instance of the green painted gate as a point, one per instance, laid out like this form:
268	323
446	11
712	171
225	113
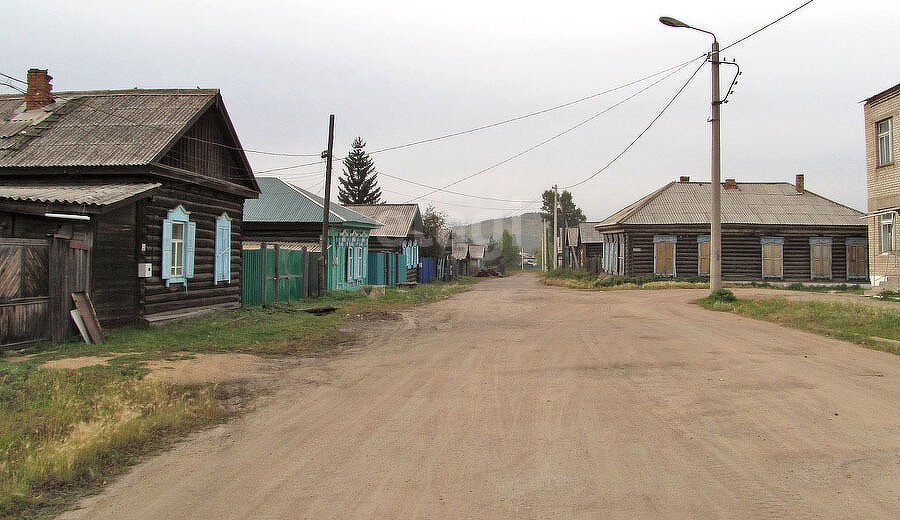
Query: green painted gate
273	275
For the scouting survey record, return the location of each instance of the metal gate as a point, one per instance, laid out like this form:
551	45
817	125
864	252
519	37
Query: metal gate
24	291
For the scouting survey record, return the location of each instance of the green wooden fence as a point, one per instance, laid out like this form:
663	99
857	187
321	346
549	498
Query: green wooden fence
272	274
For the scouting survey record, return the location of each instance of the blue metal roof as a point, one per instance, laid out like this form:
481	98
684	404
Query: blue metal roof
280	201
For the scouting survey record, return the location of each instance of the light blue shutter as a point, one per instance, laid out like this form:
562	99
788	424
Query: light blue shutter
217	265
226	257
191	232
166	250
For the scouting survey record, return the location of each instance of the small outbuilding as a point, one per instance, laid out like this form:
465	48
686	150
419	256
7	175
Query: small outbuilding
770	231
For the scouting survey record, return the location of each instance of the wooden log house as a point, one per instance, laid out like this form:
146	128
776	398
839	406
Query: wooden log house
401	232
772	231
133	196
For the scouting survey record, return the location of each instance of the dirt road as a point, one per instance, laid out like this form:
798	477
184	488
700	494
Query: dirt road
522	401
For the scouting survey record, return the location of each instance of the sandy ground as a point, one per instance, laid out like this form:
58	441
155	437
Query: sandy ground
517	400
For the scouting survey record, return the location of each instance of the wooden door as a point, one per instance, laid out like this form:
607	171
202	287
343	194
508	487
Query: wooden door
24	291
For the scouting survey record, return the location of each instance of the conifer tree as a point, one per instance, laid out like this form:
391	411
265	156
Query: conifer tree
359	182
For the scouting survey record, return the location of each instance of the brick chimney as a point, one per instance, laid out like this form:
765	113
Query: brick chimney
798	183
684	178
39	87
730	184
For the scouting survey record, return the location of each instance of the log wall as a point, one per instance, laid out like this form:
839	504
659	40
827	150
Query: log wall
204	206
742	250
115	282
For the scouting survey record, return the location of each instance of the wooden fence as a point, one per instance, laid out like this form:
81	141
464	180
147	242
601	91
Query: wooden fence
275	275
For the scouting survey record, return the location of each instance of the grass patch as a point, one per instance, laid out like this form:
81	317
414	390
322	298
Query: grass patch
65	432
797	286
574	279
889	295
853	322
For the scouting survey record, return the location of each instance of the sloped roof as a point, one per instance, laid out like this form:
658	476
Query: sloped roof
97	128
572	236
761	203
459	250
476	251
398	220
589	234
312	247
280	201
82	193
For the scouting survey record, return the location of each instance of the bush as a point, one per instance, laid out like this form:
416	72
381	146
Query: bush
722	295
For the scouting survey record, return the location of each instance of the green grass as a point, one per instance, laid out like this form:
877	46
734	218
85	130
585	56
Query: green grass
848	321
797	286
575	279
65	432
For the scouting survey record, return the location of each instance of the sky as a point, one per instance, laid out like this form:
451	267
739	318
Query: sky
401	71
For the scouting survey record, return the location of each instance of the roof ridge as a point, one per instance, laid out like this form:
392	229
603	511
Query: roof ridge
642	203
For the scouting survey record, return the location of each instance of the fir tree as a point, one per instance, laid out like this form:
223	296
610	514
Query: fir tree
359	182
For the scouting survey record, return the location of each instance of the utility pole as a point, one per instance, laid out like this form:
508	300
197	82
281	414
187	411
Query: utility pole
715	235
326	209
543	244
565	234
555	227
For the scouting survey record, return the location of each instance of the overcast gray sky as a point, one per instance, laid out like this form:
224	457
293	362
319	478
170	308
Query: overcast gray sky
394	72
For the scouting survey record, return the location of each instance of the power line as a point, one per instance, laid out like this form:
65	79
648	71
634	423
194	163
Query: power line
10	85
558	135
381	172
770	24
7	76
644	131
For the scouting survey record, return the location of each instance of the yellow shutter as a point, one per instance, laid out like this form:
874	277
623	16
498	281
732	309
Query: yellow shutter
665	258
704	257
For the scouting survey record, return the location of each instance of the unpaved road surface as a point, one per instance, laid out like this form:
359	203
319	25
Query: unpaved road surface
517	400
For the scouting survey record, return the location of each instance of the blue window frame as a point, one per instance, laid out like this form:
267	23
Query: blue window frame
178	233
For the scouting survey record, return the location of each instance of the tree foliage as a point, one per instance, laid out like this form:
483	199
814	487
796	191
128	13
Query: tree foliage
573	214
433	221
359	182
509	250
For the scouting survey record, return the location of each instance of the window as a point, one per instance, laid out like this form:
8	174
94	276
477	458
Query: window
359	262
223	249
703	255
773	257
884	130
857	261
348	255
886	229
178	234
664	255
820	257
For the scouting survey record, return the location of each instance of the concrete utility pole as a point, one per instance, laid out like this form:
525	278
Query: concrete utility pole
326	207
715	228
555	227
564	239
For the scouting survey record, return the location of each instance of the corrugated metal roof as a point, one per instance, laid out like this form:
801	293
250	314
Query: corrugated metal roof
459	250
312	247
476	251
762	203
280	201
572	236
589	234
399	220
89	193
97	128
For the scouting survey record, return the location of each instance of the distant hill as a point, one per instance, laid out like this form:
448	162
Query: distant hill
525	227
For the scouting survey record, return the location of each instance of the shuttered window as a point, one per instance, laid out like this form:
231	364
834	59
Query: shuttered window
820	257
773	257
664	255
703	255
223	249
178	234
857	259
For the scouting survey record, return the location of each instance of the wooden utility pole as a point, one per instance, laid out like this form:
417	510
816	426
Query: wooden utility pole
326	207
555	227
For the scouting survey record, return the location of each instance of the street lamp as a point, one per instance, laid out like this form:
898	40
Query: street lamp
715	239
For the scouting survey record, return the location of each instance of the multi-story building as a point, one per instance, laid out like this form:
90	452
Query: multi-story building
882	113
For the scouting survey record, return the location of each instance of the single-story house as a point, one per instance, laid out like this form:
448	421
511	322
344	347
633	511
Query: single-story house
770	231
288	215
590	246
401	232
134	197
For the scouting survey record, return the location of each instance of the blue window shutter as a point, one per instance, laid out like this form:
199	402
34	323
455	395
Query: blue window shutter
166	250
189	249
226	258
217	265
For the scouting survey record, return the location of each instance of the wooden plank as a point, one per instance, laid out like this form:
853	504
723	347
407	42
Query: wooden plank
86	309
79	322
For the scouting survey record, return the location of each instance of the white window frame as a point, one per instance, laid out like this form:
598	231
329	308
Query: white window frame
887	232
178	253
703	239
884	142
667	239
176	266
763	243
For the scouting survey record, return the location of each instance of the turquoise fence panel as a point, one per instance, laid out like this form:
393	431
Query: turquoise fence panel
251	277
